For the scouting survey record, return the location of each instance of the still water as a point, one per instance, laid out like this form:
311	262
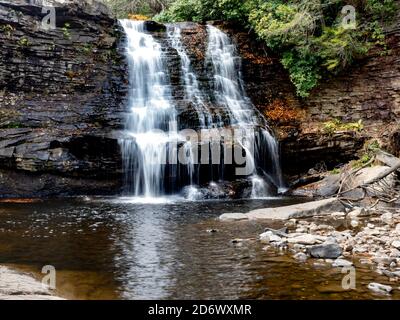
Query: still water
123	249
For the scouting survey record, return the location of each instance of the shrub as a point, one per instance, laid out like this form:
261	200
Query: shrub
308	34
335	125
121	8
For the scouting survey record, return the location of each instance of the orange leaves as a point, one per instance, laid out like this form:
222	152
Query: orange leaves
278	111
138	17
256	59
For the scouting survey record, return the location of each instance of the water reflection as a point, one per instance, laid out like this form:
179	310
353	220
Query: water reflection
144	268
111	250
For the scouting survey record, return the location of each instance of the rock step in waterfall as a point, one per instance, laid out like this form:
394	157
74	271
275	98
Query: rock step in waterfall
158	158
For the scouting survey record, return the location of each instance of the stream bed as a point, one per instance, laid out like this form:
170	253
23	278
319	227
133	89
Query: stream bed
121	249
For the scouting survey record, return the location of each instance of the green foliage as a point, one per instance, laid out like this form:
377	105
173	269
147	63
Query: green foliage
24	42
13	125
370	150
66	31
381	8
308	34
336	125
372	147
87	48
7	29
303	69
203	10
338	47
335	171
122	8
282	24
188	10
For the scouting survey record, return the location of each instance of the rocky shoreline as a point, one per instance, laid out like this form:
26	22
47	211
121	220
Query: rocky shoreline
20	286
339	238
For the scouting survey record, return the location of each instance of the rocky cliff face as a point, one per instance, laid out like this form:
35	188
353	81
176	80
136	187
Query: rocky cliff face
62	97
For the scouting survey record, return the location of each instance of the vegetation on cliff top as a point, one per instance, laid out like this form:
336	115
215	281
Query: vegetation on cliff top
121	8
314	38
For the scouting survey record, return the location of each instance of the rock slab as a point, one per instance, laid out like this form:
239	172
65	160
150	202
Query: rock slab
17	286
326	251
302	210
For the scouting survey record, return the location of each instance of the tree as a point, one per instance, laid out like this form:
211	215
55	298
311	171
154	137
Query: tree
121	8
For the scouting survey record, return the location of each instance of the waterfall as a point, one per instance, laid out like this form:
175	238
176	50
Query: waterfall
229	92
151	139
151	113
192	90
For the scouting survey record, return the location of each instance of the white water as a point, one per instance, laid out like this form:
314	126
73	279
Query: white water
151	124
229	92
192	90
150	111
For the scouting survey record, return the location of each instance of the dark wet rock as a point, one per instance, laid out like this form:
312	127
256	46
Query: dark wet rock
62	98
153	26
237	189
325	251
307	150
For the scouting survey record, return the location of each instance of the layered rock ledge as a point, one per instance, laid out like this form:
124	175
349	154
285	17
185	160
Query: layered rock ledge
62	97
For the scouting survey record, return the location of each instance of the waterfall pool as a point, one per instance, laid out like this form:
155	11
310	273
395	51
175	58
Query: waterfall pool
108	248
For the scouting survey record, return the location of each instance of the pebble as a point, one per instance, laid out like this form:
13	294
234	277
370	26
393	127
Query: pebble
342	263
238	241
269	236
212	230
394	253
387	218
376	244
304	239
354	223
301	230
356	213
291	224
396	244
298	247
338	215
365	261
380	288
301	257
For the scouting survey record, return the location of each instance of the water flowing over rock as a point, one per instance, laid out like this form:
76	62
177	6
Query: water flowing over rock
151	121
159	159
63	102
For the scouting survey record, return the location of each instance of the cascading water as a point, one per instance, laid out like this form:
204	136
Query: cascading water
229	92
152	121
192	90
151	113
